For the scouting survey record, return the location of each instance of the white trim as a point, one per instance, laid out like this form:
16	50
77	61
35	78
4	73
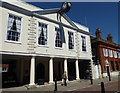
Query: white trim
15	42
6	27
73	50
58	47
43	46
42	55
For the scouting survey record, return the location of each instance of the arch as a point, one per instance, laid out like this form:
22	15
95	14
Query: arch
40	71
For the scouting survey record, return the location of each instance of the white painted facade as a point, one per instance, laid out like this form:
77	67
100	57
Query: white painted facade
28	45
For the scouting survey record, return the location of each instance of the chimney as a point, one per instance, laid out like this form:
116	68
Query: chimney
110	38
98	34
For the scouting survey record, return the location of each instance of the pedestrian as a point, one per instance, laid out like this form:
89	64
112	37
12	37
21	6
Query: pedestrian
64	78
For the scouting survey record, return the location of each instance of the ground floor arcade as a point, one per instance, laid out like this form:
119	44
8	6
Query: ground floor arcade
31	69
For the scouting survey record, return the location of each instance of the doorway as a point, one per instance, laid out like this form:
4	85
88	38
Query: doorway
83	67
40	71
71	71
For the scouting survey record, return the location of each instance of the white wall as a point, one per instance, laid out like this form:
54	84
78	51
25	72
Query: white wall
22	46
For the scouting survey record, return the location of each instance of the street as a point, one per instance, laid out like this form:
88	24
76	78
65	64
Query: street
110	86
81	86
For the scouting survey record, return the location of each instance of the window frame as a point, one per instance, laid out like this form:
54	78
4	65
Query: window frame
11	41
82	36
115	54
73	40
47	45
55	39
105	52
110	53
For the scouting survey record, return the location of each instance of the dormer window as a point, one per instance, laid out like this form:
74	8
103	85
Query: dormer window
14	28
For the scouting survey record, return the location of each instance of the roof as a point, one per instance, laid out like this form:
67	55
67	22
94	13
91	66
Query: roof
95	40
28	9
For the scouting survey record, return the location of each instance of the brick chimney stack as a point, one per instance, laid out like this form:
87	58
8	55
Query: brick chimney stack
98	34
110	38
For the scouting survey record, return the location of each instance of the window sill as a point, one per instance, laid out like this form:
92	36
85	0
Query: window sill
15	42
43	46
72	50
59	48
84	51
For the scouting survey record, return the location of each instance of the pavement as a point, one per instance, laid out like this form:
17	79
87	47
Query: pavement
71	85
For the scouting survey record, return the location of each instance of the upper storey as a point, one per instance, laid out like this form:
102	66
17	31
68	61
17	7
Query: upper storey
27	33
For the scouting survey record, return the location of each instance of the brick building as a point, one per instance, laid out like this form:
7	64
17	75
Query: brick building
106	53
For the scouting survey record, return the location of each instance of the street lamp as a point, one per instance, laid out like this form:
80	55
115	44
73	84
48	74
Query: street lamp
108	70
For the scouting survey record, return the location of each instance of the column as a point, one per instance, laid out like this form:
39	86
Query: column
32	71
65	67
51	70
77	70
92	70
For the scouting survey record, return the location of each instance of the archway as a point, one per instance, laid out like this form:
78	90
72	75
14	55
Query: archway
83	67
71	71
40	71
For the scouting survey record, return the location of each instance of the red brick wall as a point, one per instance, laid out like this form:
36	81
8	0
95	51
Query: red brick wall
102	58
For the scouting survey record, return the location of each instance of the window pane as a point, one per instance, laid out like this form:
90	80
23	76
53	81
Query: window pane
42	34
58	38
83	43
70	40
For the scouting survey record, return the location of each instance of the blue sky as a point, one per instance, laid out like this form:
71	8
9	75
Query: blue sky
103	15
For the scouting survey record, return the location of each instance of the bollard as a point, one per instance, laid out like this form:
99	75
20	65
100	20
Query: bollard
91	80
109	78
55	84
102	87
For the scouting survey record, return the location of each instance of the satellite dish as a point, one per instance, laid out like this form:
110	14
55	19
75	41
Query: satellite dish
65	7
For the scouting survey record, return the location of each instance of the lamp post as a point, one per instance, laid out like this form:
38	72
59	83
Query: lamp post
98	63
108	70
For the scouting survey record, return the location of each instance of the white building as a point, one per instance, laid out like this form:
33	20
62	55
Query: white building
39	46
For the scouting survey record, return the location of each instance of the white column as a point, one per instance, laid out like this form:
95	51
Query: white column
77	70
65	67
92	69
32	71
51	70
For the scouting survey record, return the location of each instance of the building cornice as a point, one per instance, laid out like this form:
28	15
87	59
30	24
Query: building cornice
41	55
95	40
